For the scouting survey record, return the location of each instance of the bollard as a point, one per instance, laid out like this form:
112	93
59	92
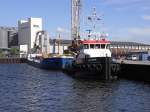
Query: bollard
107	68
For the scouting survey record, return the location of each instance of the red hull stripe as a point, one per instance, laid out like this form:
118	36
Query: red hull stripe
95	42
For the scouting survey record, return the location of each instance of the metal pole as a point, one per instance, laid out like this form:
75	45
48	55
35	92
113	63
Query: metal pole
58	43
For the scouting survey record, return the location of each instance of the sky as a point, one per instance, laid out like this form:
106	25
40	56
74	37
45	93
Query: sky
123	20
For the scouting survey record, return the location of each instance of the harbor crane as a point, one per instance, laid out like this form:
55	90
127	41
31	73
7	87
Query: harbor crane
75	25
41	42
75	20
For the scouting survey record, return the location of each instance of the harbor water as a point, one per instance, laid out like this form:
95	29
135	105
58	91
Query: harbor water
24	88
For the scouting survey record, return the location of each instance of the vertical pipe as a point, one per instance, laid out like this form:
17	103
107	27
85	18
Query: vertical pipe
54	45
58	43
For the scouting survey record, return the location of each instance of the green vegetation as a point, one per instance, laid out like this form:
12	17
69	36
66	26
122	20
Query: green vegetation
1	53
14	51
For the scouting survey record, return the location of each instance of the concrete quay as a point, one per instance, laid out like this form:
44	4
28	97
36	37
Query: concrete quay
12	60
131	62
134	69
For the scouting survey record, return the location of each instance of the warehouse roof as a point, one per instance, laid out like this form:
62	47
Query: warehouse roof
66	42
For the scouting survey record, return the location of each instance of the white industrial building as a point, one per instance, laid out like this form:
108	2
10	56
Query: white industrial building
59	49
27	30
30	32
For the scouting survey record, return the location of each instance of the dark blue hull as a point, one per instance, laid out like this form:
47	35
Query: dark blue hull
56	63
53	63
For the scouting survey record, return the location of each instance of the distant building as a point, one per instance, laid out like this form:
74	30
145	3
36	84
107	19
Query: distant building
56	47
138	55
3	38
117	48
123	48
129	45
12	39
27	31
7	35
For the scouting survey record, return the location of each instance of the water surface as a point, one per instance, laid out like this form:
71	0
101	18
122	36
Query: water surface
24	88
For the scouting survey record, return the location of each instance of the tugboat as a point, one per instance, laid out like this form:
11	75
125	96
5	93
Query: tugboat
94	56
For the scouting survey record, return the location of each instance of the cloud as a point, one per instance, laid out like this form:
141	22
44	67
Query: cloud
62	30
134	34
146	8
64	33
121	5
139	34
140	31
122	2
146	17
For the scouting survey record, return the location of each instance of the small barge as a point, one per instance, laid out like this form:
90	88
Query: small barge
51	63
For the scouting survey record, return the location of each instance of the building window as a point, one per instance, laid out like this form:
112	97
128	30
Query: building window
22	28
36	26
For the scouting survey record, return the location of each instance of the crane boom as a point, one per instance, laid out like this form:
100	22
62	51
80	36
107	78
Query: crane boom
75	19
41	42
75	25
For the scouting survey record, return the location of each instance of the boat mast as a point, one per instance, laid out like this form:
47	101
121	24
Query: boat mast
93	19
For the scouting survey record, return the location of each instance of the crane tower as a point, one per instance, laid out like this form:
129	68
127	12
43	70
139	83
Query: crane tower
75	19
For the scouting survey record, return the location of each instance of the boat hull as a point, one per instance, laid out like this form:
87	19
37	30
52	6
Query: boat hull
93	67
54	63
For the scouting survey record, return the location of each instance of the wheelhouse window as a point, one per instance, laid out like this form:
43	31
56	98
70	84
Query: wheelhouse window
107	46
91	46
86	46
97	46
103	46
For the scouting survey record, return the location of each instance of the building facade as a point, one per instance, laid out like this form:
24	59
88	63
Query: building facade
27	31
122	48
3	38
58	47
7	36
12	38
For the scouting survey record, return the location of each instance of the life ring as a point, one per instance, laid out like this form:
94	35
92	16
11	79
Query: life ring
91	67
79	66
113	67
99	67
88	66
117	67
83	66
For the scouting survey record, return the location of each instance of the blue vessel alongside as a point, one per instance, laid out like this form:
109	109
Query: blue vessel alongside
56	63
51	63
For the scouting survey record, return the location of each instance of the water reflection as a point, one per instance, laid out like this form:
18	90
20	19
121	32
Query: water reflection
24	88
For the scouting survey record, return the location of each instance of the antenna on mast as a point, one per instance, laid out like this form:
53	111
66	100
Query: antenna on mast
94	18
89	33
